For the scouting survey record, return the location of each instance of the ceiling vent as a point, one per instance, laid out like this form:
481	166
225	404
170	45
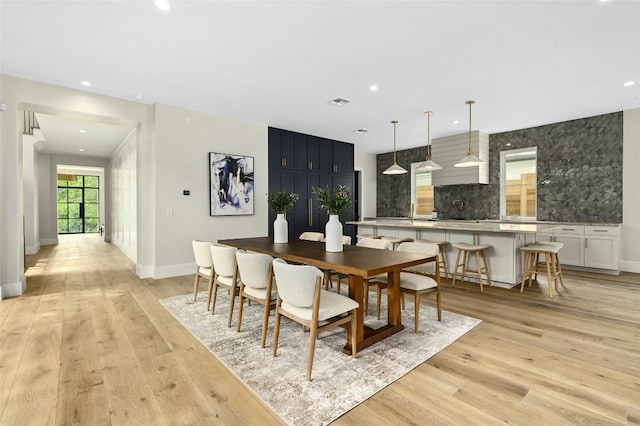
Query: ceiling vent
361	131
339	101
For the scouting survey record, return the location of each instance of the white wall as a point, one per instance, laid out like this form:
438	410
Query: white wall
183	140
122	216
47	222
366	164
630	253
30	190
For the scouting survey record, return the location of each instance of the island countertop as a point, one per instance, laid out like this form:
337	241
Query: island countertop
458	225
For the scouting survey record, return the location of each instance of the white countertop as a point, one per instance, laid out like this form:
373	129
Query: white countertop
463	225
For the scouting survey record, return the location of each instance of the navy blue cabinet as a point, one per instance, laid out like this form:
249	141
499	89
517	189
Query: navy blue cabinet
301	162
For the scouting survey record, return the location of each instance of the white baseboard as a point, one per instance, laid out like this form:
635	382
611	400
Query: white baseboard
165	271
630	266
48	241
32	249
174	270
13	289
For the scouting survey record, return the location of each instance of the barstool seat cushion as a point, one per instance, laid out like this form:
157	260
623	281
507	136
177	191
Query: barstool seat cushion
470	247
542	247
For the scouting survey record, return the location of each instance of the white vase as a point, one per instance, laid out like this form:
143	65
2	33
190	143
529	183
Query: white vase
333	234
280	229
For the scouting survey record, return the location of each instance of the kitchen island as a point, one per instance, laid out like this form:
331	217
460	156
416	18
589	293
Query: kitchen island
585	245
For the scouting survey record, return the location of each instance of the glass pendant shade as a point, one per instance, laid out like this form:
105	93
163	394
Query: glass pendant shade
428	164
469	160
394	169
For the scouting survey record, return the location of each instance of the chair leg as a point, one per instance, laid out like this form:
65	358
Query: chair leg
211	276
379	294
265	320
312	348
524	271
479	269
416	307
486	267
443	258
240	309
439	304
559	268
214	296
231	303
455	270
546	259
195	285
276	331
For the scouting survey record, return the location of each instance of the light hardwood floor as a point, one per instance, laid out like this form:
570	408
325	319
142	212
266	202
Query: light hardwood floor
89	344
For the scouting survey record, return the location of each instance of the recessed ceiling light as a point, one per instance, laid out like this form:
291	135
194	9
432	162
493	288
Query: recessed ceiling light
83	131
163	5
85	83
361	131
455	122
138	96
81	150
373	88
339	101
629	83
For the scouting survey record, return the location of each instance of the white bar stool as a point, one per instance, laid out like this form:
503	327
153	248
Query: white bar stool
466	248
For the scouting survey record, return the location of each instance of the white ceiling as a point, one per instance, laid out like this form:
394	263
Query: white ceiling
525	63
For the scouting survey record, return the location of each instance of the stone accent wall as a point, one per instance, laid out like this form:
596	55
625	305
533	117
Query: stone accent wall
579	174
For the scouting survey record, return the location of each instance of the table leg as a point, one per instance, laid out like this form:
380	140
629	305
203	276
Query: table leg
393	298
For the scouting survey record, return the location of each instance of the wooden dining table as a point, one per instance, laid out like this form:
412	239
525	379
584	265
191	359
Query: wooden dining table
356	262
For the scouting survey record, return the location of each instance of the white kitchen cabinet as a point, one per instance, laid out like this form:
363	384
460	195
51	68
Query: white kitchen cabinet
572	238
591	246
602	247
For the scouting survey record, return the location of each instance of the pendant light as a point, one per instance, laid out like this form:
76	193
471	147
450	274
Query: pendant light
470	160
394	169
427	164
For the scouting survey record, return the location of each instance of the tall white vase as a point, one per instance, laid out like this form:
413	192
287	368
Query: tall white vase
280	229
333	234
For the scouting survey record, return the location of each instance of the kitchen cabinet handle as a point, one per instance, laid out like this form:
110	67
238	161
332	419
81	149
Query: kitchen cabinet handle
568	229
310	209
335	168
601	230
310	165
586	243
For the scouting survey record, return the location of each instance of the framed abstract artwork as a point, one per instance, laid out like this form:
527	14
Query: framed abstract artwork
230	184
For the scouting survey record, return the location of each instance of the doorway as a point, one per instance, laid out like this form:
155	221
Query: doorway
78	204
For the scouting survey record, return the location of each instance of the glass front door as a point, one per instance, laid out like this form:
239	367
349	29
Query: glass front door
78	205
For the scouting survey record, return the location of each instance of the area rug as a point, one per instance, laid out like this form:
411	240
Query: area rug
339	382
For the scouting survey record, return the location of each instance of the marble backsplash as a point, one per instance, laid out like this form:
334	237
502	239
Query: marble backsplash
579	170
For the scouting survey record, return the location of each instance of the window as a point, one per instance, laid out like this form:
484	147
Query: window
421	192
518	183
78	204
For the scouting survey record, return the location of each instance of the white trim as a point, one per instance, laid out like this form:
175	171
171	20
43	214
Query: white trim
32	249
630	266
13	289
48	241
174	270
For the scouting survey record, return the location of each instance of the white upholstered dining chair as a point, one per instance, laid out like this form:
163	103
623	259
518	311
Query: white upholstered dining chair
369	243
225	275
312	236
204	264
417	280
302	299
257	284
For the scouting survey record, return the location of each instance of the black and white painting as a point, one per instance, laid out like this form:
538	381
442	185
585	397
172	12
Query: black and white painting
231	184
